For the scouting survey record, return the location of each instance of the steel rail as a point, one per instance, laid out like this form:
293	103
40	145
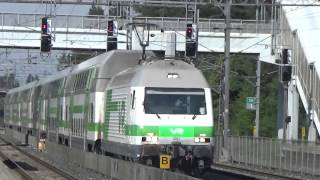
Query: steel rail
17	168
251	172
42	162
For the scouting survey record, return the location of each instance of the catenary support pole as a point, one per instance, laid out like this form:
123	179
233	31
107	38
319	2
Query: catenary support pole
257	120
227	12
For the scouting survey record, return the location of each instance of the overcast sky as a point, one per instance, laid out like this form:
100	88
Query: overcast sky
65	9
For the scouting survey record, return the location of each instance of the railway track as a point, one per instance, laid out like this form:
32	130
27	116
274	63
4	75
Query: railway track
29	166
243	173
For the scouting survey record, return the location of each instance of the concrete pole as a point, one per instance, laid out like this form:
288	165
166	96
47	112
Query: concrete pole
227	11
312	129
129	34
273	20
280	108
257	120
257	15
293	111
285	111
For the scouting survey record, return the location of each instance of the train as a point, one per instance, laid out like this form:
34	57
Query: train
118	105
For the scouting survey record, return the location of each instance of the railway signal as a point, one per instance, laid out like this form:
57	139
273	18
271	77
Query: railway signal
191	40
110	28
44	25
45	45
287	68
189	32
111	32
191	49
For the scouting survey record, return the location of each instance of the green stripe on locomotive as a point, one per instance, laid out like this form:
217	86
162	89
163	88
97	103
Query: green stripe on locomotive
170	131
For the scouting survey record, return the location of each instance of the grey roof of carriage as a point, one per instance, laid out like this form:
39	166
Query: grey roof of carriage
154	74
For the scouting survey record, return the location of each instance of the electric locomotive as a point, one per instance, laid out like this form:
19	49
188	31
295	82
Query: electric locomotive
160	107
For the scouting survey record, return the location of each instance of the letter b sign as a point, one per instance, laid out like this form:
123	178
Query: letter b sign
165	161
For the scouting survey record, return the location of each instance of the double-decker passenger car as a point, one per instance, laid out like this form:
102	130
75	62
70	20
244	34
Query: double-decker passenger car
119	105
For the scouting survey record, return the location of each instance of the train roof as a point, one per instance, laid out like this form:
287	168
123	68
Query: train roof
36	83
107	66
94	61
58	75
22	88
110	62
116	56
162	73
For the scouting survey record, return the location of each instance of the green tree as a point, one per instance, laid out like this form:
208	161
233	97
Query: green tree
29	78
12	81
241	119
242	85
36	78
160	11
96	10
206	11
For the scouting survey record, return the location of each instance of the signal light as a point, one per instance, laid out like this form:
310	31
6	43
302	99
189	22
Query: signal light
191	48
112	44
44	25
112	40
110	28
286	73
286	70
191	40
45	43
285	56
189	32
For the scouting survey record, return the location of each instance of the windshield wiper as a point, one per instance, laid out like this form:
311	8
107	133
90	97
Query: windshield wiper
194	116
158	115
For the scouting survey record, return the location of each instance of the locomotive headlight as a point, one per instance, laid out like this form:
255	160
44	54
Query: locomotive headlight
152	139
173	75
202	139
149	138
196	139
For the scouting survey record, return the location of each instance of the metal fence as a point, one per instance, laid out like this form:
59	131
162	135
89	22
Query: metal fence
115	169
167	23
291	158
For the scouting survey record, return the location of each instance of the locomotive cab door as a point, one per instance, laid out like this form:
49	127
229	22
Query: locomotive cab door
132	105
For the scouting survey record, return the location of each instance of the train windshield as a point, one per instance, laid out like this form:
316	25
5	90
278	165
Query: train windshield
174	101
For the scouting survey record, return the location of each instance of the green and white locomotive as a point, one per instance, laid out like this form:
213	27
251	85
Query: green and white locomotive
118	105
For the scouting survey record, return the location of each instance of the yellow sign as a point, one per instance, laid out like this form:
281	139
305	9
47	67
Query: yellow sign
254	130
303	132
165	161
41	146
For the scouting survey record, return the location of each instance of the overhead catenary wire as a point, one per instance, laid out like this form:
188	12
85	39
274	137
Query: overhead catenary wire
214	51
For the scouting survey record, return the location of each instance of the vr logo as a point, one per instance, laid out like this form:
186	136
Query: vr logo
175	131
